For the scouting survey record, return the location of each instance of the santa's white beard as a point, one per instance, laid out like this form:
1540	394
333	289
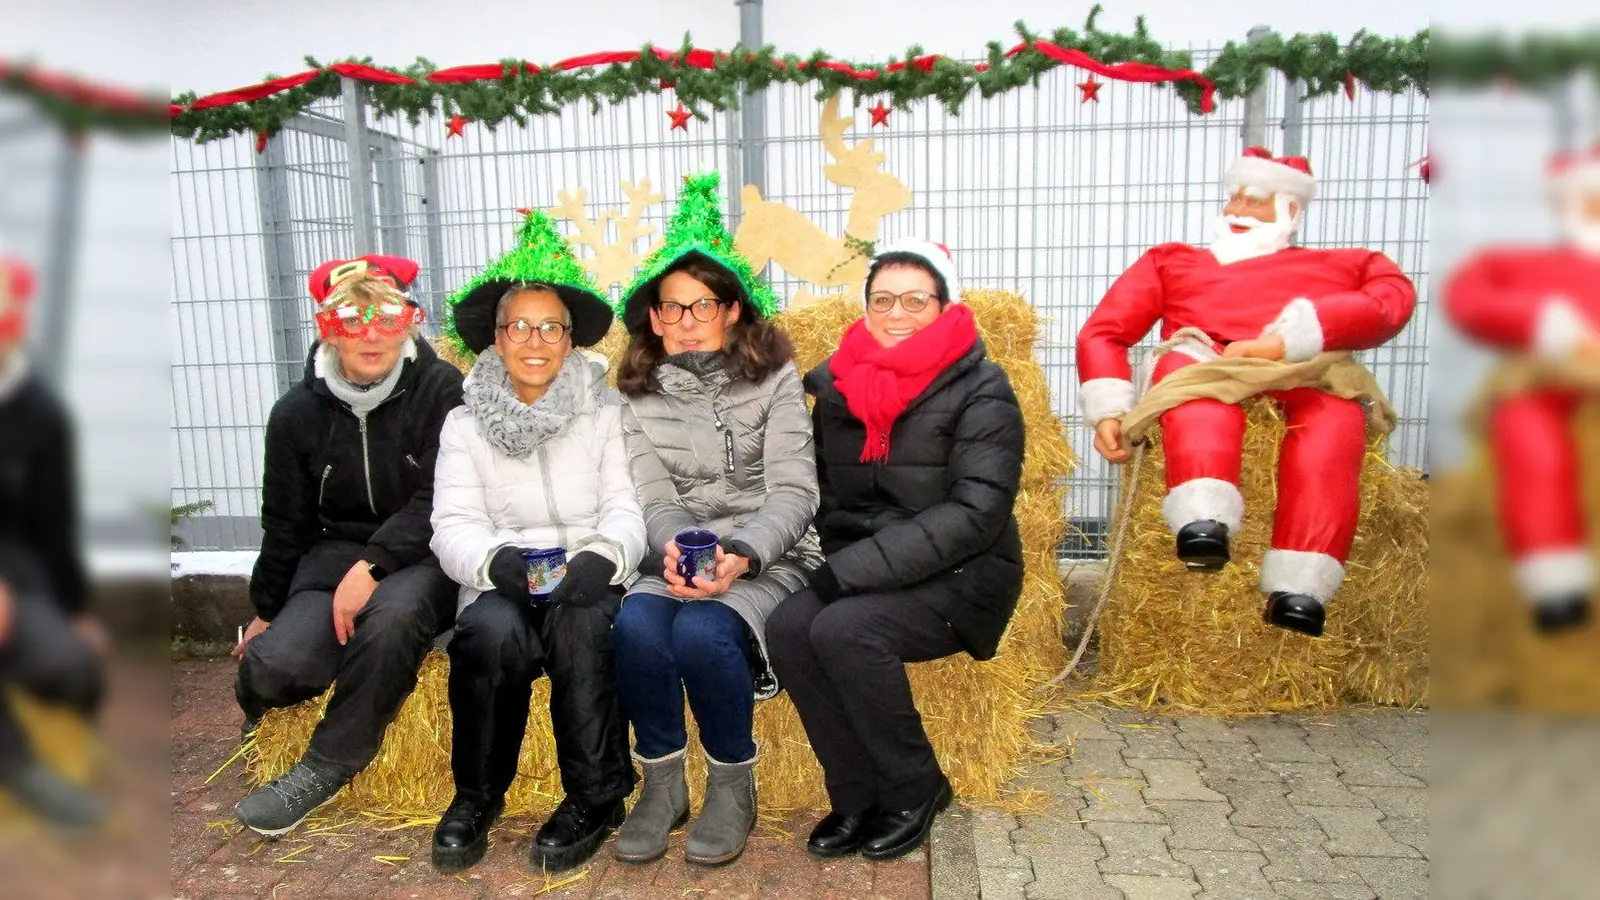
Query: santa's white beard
1260	238
1582	232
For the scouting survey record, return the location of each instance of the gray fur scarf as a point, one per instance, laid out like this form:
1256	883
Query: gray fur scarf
517	429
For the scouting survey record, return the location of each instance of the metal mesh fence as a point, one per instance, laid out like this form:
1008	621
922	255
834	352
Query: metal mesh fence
1034	190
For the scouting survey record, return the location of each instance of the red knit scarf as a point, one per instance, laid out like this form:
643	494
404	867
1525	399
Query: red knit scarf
879	382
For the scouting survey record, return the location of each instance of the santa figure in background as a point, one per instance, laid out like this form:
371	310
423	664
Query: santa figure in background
1543	303
1252	295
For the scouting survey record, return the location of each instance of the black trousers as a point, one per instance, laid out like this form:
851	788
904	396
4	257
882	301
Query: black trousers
298	657
44	657
843	665
500	646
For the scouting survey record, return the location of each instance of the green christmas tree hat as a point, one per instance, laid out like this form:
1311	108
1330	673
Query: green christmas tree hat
696	229
541	257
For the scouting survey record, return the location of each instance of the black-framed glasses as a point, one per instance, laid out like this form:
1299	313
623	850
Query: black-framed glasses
705	309
520	331
910	301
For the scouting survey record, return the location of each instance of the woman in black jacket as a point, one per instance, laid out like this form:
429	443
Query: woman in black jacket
919	451
346	589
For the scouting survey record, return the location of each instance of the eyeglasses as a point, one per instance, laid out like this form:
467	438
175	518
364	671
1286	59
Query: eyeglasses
520	331
910	301
705	309
388	319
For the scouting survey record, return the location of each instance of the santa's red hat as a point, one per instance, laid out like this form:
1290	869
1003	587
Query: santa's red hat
397	270
1576	170
16	289
936	256
16	283
1260	170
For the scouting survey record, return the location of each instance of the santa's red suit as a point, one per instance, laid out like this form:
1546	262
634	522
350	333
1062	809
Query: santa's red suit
1543	302
1314	300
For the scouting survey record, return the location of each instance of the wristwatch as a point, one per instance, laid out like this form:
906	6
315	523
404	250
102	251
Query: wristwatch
377	572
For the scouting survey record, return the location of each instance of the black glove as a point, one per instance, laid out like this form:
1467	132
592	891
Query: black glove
508	572
653	564
587	580
825	584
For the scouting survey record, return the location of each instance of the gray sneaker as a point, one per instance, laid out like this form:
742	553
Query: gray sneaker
284	802
53	798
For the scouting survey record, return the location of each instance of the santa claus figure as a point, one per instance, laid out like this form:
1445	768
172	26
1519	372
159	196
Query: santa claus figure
1542	303
1251	295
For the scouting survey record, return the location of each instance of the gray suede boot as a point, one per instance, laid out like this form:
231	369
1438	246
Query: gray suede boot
663	806
728	815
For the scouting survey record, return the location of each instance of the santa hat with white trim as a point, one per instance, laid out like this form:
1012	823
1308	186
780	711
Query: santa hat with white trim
1575	171
1259	170
936	256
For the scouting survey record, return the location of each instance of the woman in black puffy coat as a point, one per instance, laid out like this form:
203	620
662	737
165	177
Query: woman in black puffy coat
919	451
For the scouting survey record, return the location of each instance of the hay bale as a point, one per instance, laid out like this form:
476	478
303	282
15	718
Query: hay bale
1195	642
977	714
1486	651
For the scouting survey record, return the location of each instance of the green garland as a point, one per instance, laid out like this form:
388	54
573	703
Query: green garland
77	117
1538	60
1382	64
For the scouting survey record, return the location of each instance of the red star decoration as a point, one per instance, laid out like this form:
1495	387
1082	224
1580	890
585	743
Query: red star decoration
522	211
1091	90
1350	85
457	126
261	141
880	115
680	117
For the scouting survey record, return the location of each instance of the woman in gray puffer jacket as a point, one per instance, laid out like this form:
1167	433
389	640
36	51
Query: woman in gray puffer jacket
719	439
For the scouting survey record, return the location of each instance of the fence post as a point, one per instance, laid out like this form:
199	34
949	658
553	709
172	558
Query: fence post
56	321
1254	130
433	225
285	315
1294	122
363	233
752	110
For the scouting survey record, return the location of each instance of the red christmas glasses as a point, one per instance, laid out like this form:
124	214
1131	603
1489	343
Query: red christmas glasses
388	319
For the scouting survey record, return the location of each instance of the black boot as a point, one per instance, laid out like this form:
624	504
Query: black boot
488	715
839	835
463	833
1296	612
1203	545
573	833
896	833
1558	614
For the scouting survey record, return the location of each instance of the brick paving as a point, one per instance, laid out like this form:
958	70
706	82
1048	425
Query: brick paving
211	857
1154	807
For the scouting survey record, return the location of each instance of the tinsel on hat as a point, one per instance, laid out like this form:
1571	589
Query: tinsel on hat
542	255
697	227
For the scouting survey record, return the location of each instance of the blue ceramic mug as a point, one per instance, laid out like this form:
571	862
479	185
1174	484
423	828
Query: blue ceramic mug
546	568
697	550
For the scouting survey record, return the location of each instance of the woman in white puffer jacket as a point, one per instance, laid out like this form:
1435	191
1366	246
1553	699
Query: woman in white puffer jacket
535	460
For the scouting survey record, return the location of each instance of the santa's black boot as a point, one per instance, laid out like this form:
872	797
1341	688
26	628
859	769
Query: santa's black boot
1203	545
1296	612
1553	615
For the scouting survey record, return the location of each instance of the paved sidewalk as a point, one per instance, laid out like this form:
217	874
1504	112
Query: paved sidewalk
1327	807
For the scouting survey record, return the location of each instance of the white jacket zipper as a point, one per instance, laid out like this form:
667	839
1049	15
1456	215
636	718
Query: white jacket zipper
322	489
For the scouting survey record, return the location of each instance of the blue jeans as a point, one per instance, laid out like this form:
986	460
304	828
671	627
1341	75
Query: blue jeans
664	646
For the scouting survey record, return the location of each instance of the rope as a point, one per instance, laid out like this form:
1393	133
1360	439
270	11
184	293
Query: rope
1125	513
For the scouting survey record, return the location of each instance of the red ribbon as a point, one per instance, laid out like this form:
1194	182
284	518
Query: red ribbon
255	91
707	59
1126	71
368	73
